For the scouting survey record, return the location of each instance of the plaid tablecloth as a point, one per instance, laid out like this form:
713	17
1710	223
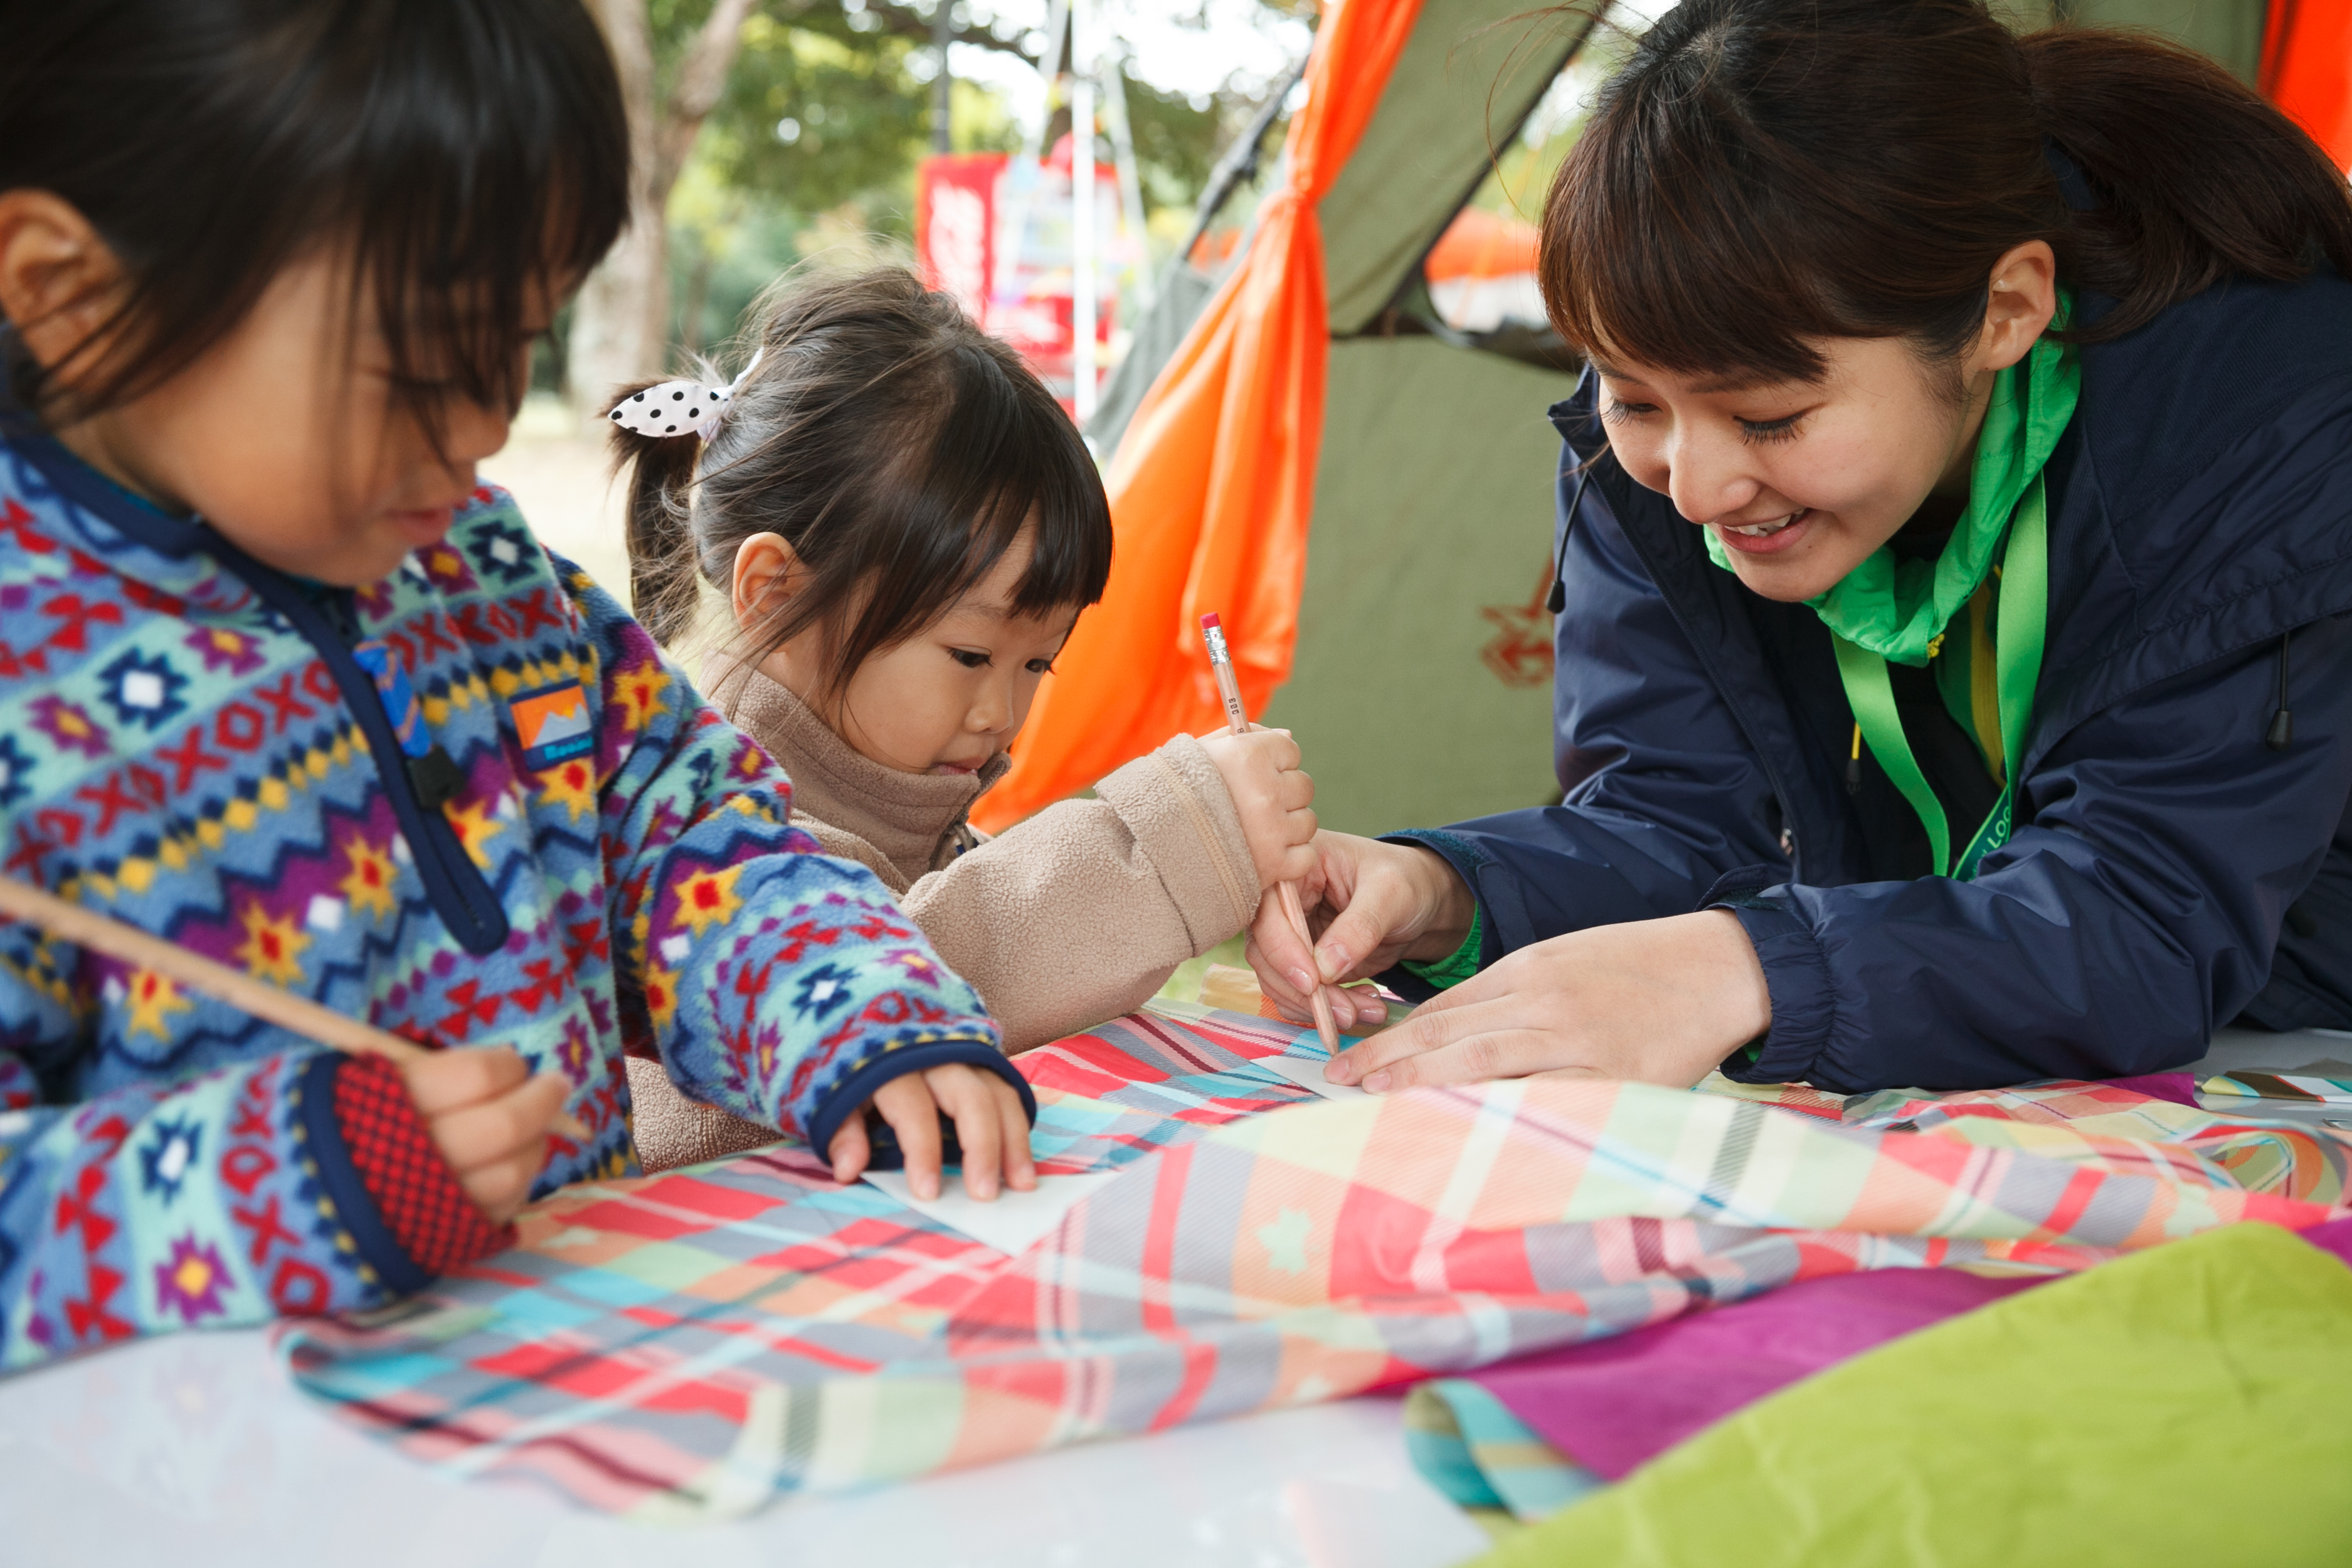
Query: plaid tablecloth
696	1344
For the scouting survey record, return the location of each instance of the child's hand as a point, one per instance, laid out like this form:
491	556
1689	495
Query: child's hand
489	1116
989	1123
1260	769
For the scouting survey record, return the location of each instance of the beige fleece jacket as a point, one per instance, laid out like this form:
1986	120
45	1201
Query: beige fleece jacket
1075	915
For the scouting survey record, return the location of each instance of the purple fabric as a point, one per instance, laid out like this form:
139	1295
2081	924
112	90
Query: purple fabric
2180	1087
1611	1405
2335	1236
1614	1405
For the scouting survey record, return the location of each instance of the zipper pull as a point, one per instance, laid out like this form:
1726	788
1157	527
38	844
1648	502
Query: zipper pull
432	772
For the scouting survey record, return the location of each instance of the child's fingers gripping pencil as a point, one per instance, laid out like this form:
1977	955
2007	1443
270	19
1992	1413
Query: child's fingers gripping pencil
297	1014
1237	720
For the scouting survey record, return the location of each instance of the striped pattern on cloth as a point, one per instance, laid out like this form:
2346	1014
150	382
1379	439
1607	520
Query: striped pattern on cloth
696	1344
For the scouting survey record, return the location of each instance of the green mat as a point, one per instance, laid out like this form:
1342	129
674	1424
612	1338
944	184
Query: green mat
2188	1404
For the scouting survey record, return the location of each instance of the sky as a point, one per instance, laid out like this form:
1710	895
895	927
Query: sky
1195	46
1233	39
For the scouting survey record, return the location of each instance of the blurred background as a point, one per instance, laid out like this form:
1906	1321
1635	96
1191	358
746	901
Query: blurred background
775	134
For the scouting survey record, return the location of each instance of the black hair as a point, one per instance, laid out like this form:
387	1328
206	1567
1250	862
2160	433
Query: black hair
1764	173
898	449
465	150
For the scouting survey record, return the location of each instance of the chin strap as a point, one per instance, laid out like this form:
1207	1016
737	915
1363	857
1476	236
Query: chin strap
2281	730
1557	600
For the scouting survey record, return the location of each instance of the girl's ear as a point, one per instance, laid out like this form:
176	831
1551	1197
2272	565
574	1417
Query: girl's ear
767	574
56	275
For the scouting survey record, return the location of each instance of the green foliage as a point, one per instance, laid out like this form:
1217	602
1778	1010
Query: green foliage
852	118
855	119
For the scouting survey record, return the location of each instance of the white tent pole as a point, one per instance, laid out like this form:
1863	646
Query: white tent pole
1082	208
1026	169
1130	187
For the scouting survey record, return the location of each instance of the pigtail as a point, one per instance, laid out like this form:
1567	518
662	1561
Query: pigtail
2198	177
663	568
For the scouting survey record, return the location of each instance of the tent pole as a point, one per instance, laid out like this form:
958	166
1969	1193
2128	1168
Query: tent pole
1240	162
1130	187
1026	169
1082	211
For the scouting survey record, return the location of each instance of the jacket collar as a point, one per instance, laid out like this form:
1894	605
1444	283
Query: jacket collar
912	818
83	510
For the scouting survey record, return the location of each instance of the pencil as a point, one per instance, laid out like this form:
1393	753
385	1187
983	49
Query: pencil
1237	722
86	927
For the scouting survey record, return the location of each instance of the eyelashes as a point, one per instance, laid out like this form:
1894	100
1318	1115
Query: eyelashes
1753	431
970	659
1770	430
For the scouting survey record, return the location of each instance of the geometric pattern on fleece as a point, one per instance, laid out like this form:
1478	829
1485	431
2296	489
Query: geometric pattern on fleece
178	750
699	1343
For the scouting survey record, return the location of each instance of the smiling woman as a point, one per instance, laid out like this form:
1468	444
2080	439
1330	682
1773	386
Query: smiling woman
1968	439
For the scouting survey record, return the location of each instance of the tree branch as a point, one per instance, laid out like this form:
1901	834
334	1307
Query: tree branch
903	21
701	78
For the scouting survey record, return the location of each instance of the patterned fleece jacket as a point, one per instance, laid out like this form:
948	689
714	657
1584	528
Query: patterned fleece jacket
473	804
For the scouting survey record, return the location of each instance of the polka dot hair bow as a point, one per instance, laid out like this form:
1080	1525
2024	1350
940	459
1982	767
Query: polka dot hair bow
679	408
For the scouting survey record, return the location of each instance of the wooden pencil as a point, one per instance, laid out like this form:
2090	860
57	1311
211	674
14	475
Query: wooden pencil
1238	720
89	928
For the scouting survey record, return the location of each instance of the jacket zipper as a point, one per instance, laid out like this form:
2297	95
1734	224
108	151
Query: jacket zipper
459	893
1714	673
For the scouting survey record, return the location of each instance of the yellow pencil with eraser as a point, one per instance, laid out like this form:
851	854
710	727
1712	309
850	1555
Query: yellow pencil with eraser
1238	720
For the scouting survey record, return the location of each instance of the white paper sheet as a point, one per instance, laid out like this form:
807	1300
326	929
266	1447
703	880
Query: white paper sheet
1013	1224
1307	1072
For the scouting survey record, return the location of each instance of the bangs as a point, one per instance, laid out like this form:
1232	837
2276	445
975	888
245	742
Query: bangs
488	174
1002	462
1678	274
1723	215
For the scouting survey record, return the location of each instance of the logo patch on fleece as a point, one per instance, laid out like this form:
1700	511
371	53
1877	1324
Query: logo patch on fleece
554	724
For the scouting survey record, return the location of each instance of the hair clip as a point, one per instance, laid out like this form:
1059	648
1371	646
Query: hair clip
679	408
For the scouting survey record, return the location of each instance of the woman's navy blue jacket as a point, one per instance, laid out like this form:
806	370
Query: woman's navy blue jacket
2169	872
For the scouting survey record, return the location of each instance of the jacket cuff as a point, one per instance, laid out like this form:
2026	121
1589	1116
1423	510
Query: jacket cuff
1796	974
1467	859
389	1186
1175	804
850	1096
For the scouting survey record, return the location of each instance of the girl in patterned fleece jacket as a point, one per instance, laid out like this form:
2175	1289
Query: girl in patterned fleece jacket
279	683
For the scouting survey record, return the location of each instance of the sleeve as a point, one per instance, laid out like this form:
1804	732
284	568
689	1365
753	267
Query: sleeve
2139	909
1664	793
1082	911
772	981
302	1182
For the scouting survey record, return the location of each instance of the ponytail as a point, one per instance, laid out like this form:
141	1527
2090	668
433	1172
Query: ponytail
1766	173
897	449
2196	176
663	569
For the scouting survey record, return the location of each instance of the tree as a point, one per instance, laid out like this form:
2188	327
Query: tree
799	114
620	322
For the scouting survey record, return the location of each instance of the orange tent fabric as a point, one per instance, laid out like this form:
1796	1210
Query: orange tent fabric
1214	487
1481	244
2307	70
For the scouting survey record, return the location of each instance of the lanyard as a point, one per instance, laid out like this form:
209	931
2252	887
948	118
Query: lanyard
2017	662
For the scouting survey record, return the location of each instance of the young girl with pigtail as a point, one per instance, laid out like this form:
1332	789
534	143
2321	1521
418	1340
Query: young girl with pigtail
280	684
904	526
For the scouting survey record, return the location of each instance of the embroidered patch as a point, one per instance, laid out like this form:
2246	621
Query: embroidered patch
554	724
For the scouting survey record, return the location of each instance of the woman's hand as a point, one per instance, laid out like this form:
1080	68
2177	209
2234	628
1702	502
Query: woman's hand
1373	904
1660	1001
489	1116
989	1122
1271	797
